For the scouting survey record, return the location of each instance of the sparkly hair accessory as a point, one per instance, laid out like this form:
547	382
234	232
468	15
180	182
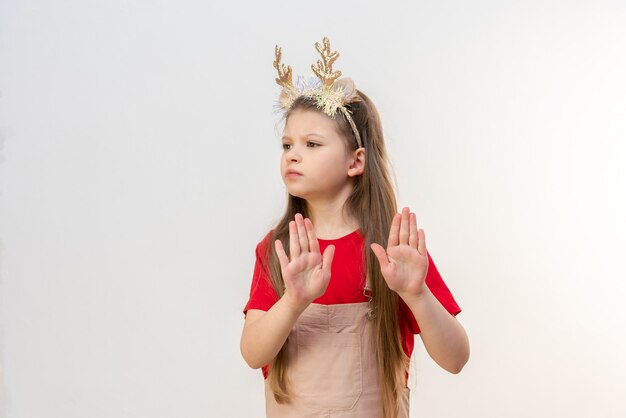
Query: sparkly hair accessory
330	94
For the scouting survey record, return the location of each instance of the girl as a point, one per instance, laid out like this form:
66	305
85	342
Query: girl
330	323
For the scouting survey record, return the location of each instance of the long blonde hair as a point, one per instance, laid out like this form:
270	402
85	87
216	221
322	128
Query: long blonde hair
373	203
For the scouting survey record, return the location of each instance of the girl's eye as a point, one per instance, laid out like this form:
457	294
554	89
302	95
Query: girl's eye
308	144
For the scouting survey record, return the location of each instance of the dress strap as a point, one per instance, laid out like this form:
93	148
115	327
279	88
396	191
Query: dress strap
367	292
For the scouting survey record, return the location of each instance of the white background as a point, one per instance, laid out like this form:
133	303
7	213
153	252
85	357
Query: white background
139	169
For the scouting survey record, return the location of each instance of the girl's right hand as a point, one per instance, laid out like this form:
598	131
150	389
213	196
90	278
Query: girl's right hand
307	273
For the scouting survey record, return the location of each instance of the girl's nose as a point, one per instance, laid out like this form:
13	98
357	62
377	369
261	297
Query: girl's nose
293	155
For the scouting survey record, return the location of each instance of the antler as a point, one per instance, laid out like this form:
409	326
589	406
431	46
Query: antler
284	73
324	70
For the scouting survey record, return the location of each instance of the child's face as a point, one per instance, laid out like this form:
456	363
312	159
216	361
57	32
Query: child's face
315	162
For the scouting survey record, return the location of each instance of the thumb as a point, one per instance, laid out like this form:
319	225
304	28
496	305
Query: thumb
327	258
381	254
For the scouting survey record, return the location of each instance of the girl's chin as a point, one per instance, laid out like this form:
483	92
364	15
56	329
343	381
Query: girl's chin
297	194
303	193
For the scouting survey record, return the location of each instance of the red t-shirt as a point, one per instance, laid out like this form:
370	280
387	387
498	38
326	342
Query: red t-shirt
346	284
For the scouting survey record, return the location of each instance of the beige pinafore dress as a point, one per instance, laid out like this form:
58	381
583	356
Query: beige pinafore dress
332	366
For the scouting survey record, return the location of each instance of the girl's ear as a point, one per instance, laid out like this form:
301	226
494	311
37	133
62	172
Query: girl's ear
358	163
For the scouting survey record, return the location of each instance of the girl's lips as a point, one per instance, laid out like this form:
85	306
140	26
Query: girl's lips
291	173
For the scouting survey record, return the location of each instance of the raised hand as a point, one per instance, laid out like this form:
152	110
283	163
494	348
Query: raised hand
306	272
404	263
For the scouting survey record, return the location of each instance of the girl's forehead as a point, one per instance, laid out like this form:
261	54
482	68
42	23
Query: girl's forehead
301	123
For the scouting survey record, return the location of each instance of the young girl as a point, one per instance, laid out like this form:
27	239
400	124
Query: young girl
331	320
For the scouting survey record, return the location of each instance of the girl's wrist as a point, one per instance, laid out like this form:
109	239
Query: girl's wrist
416	297
297	307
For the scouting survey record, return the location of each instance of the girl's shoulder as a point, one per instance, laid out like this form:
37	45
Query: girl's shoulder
263	245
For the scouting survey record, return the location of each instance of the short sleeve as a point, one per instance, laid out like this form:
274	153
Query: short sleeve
262	293
435	283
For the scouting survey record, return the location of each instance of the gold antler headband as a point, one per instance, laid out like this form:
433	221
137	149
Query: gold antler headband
330	93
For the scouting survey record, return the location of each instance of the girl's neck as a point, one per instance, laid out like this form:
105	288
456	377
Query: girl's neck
329	219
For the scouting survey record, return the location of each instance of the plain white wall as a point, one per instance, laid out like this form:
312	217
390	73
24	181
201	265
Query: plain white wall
139	168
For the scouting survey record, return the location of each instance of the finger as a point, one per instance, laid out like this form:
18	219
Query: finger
302	237
413	237
380	254
294	243
313	244
327	258
422	242
404	227
394	231
280	252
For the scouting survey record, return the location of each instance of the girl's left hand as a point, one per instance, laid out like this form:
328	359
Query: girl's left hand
405	262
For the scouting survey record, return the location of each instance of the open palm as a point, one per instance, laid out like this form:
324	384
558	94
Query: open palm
404	263
306	272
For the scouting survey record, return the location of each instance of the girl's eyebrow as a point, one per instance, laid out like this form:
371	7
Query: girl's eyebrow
307	135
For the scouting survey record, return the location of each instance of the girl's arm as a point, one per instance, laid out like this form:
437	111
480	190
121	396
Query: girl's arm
264	333
444	337
306	275
404	265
